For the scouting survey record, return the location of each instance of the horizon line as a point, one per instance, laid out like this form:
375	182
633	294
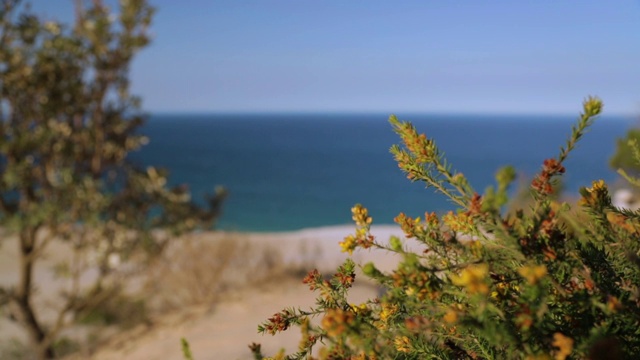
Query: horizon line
629	116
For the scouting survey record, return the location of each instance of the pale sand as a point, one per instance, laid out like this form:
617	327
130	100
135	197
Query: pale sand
224	331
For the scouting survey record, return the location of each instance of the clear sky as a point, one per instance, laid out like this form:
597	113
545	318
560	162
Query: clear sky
469	56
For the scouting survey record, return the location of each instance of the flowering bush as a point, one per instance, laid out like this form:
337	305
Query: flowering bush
546	283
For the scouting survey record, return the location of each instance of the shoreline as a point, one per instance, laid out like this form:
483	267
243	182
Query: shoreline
322	243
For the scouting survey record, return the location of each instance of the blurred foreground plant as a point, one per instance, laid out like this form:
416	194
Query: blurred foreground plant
484	284
67	124
624	159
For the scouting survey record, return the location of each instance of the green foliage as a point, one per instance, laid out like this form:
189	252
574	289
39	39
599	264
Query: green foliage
67	125
625	155
121	310
483	283
186	351
65	346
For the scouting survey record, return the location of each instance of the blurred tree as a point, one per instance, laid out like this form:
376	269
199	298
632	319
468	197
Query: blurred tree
67	124
624	158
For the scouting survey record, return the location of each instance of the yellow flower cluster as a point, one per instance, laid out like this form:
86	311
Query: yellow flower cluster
564	344
502	288
473	278
348	244
387	311
402	344
621	221
461	223
337	321
598	185
423	149
533	273
362	236
592	106
450	316
590	196
361	215
361	309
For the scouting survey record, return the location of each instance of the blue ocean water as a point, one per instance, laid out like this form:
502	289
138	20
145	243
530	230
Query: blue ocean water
293	171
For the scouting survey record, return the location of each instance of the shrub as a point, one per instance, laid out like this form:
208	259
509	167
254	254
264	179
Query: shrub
185	274
485	284
67	125
121	310
624	158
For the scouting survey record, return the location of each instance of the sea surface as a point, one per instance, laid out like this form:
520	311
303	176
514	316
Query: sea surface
293	171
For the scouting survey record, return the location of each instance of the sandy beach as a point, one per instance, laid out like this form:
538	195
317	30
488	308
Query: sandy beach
224	328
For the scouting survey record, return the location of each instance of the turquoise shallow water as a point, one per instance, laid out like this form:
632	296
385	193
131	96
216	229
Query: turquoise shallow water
293	171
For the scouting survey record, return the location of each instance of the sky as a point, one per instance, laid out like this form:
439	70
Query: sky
491	56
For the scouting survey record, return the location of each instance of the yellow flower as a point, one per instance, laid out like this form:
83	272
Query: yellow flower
473	278
402	343
388	311
348	244
533	273
462	222
475	246
359	309
620	221
361	215
450	317
564	344
592	106
598	185
410	291
598	190
336	321
431	219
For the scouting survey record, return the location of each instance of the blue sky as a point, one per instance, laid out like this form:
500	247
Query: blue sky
469	56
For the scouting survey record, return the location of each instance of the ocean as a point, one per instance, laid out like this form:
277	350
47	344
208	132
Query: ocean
292	171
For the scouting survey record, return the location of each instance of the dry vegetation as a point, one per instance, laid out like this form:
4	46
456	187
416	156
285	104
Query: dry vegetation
195	272
203	268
